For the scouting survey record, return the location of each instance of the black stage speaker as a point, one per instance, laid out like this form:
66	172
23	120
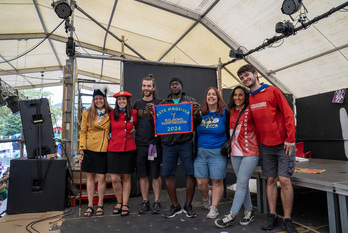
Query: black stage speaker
29	194
37	126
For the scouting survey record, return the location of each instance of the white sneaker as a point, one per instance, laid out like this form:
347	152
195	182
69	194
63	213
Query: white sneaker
207	202
213	212
248	218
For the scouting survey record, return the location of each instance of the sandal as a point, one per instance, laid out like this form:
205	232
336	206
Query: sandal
99	212
89	211
124	212
117	210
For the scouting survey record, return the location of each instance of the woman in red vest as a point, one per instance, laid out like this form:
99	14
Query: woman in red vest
122	150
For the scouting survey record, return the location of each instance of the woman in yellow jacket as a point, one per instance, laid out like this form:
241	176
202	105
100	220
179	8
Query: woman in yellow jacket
94	137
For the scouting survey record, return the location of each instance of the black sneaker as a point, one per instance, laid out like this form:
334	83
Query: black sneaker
145	206
270	223
157	208
188	211
289	226
174	210
224	222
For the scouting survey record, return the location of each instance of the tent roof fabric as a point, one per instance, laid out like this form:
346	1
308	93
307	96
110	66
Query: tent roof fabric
200	32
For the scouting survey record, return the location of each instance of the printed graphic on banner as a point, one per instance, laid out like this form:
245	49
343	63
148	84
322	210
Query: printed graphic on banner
173	118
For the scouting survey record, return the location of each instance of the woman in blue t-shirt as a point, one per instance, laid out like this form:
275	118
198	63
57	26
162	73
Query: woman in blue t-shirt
212	132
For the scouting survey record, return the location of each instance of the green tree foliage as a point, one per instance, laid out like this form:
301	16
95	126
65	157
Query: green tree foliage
11	124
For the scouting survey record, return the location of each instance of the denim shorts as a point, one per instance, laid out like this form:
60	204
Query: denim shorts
210	163
275	162
172	153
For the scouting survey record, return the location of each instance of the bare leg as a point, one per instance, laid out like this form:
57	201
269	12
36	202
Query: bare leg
217	192
126	184
101	188
203	186
117	187
171	189
144	187
287	195
272	194
190	188
90	187
157	187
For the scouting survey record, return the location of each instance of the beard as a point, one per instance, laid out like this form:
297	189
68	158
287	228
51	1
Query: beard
147	93
176	92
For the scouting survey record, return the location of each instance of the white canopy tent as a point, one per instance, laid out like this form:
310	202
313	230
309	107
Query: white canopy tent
196	32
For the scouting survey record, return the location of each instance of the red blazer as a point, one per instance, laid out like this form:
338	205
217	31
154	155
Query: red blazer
121	140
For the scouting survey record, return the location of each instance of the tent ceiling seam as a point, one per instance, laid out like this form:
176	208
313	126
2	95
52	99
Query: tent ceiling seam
198	20
63	40
106	34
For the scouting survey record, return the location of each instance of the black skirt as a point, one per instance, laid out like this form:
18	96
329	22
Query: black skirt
121	162
94	162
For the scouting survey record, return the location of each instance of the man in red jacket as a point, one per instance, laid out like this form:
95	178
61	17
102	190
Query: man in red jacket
275	121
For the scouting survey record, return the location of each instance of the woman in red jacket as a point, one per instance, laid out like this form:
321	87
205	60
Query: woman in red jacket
122	150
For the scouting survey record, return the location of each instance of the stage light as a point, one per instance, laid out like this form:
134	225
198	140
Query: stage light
238	53
286	28
62	9
70	47
289	7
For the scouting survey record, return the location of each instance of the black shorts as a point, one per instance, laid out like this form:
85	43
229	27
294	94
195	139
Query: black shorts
121	162
94	162
147	167
275	162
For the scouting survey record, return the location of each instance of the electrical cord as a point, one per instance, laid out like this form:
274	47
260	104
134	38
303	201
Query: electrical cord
34	47
30	226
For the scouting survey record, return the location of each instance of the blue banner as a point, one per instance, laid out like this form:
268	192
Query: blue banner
173	118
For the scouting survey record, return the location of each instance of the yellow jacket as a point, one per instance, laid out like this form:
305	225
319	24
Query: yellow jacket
96	137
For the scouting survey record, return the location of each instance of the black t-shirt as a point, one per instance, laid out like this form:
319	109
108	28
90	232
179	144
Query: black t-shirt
144	134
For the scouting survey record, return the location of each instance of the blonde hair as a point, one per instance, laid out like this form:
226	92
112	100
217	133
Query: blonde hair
92	111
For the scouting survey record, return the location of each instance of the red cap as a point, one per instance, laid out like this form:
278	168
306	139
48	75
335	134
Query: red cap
122	93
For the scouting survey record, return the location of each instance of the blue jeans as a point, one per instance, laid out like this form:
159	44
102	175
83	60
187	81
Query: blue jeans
244	168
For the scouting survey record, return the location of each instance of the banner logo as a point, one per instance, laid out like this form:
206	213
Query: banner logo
173	118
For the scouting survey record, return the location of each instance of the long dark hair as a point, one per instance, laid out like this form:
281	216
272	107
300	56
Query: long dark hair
220	103
246	93
128	111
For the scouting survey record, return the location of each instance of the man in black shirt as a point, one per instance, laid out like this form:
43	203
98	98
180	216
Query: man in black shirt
147	164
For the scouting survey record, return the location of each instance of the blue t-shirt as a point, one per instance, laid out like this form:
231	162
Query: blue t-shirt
212	130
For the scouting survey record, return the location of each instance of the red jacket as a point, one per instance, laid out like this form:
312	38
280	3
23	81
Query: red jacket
121	140
273	116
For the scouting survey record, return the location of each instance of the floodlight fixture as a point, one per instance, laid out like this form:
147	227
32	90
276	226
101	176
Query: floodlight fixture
290	7
286	28
70	47
62	9
237	53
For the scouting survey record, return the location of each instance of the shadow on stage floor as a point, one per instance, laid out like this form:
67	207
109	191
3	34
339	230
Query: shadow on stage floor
310	215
